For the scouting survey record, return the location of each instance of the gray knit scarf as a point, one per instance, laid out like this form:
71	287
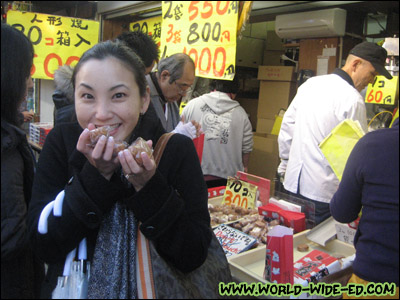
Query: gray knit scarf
113	269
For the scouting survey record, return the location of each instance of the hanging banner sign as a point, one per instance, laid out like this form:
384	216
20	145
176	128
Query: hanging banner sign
150	26
382	90
206	31
56	40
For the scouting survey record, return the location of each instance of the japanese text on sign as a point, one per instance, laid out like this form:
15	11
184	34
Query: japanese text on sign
150	26
206	31
382	90
56	40
240	193
232	240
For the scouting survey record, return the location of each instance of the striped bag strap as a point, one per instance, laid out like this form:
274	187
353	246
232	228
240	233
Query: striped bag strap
144	271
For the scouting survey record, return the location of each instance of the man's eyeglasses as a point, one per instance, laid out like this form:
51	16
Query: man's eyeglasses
183	88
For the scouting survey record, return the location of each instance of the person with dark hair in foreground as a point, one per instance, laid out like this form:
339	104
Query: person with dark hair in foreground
21	271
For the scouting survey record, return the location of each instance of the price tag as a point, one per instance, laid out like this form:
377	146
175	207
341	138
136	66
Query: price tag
382	90
240	193
206	31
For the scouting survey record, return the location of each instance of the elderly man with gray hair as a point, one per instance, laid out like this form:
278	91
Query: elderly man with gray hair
63	96
168	85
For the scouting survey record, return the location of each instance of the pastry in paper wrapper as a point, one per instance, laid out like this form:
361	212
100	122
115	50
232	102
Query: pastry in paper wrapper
138	147
95	134
119	146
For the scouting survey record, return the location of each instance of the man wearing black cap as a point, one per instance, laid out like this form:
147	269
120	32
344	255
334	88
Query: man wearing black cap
321	103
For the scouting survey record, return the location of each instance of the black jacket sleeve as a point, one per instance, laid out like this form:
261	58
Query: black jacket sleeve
14	237
88	195
172	206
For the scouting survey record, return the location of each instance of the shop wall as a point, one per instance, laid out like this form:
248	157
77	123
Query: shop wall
46	100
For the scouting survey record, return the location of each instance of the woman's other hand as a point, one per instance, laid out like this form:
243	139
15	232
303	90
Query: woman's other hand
137	175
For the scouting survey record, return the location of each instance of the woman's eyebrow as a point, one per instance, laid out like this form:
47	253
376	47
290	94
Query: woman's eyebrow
111	89
118	86
86	86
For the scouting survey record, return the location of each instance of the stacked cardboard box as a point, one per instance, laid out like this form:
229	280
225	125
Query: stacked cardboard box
264	158
273	48
277	89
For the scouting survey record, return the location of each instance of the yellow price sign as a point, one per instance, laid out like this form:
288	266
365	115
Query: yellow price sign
206	31
151	26
382	90
240	193
56	40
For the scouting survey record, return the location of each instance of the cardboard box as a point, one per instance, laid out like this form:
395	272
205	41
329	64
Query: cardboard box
274	95
272	57
246	58
250	106
265	125
264	159
276	73
273	41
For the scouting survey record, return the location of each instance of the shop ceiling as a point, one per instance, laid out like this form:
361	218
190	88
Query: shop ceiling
262	10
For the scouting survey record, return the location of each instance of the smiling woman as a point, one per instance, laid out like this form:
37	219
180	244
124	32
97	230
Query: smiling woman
103	190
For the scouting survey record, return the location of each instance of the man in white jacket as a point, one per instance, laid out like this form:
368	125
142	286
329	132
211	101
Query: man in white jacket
228	132
321	103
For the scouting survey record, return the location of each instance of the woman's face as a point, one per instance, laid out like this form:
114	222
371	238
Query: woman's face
106	93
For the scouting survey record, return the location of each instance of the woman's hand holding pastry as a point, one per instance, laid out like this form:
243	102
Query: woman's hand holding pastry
137	170
101	155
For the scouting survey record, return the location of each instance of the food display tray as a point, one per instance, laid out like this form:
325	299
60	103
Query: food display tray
217	201
249	266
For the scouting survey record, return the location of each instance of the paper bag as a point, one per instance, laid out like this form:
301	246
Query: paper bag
199	144
279	256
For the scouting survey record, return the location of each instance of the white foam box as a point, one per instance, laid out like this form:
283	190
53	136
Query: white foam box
249	266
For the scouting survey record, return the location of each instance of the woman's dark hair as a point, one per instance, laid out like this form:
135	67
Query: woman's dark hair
226	86
16	64
142	44
121	52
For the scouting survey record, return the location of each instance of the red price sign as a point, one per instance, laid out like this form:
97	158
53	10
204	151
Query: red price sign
240	193
206	31
382	91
